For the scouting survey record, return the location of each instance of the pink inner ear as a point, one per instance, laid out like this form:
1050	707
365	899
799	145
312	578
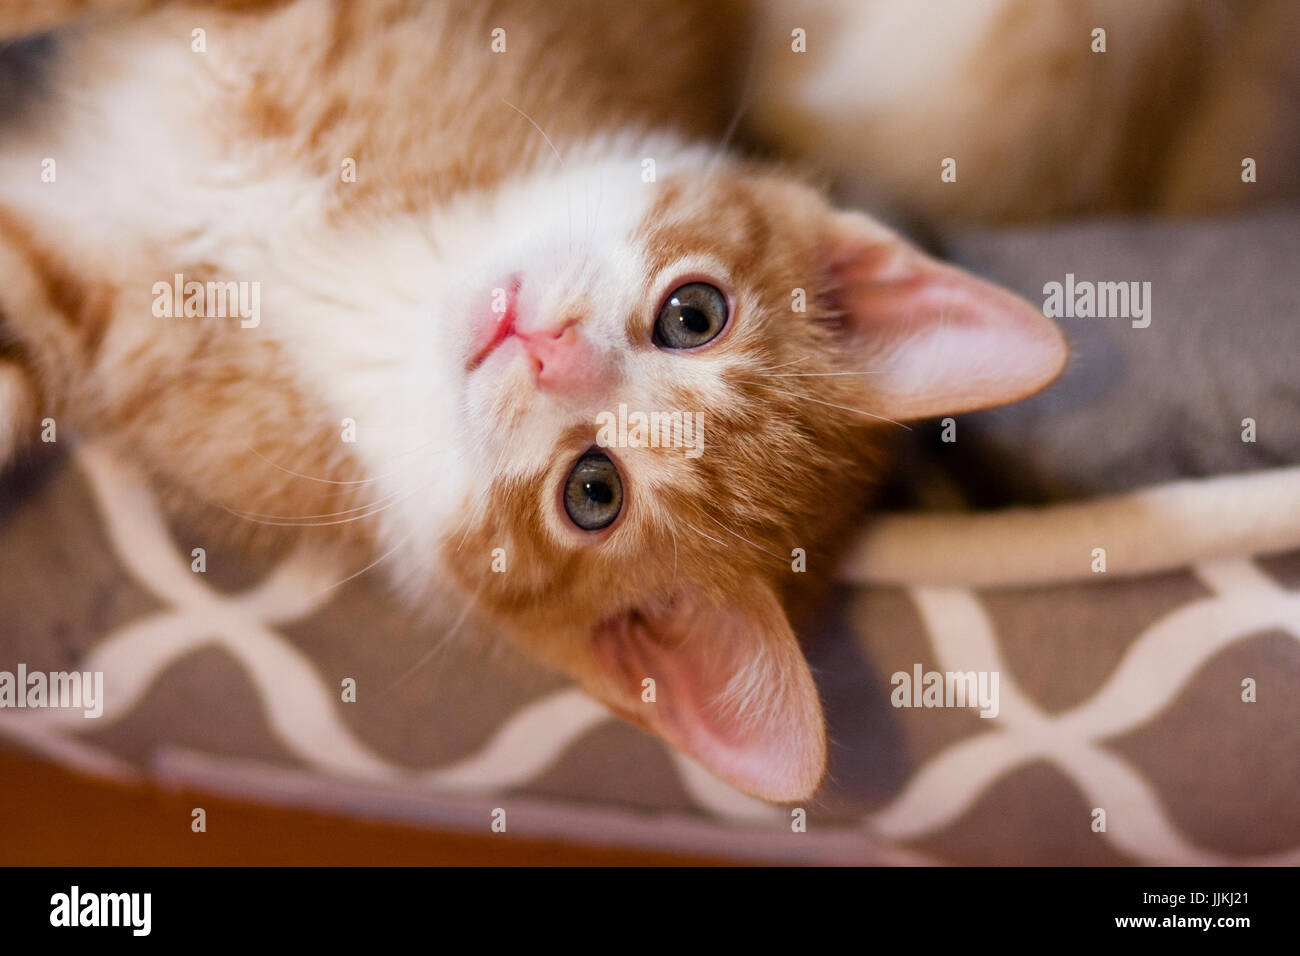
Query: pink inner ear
732	690
940	340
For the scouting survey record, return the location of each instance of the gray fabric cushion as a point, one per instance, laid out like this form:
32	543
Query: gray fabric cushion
1142	405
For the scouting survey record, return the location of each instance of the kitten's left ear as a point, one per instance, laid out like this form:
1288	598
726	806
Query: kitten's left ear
731	688
937	339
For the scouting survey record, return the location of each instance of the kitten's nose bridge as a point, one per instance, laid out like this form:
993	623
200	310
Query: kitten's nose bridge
567	361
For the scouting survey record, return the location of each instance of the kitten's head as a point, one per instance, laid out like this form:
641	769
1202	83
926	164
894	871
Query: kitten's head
676	420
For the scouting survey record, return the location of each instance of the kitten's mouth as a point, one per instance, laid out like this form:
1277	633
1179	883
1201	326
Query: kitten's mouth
496	325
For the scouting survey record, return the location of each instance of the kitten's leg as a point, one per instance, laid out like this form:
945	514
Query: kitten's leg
18	407
21	18
40	359
20	400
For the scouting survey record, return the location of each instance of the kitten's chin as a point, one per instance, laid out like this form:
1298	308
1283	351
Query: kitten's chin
503	387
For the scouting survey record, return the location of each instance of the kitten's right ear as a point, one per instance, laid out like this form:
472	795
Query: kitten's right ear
937	339
731	688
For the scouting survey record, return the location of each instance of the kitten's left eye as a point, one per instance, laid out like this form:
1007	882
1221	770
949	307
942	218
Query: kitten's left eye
593	492
693	315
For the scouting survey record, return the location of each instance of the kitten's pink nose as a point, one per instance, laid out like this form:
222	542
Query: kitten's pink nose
567	362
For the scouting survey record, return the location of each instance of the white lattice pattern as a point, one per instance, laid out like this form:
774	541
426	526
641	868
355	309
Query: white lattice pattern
301	713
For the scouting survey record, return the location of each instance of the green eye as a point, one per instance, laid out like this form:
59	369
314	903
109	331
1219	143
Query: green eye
593	492
693	315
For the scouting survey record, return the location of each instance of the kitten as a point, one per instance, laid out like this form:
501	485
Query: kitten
1041	116
540	229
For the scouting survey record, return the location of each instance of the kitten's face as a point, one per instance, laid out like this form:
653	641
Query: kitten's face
741	302
704	301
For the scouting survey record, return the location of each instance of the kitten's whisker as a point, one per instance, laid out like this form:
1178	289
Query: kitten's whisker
782	365
845	408
705	534
331	481
308	523
480	446
298	474
595	218
477	512
332	514
542	132
874	371
442	641
536	127
673	532
383	557
742	537
743	104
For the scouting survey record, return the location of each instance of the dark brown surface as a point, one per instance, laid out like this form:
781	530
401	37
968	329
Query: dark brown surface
51	817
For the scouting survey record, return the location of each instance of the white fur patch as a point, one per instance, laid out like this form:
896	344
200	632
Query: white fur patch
375	317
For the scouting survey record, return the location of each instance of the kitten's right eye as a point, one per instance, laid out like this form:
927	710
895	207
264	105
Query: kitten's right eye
693	315
593	492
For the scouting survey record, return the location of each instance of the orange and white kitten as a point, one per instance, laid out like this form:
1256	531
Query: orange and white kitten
1041	115
540	229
